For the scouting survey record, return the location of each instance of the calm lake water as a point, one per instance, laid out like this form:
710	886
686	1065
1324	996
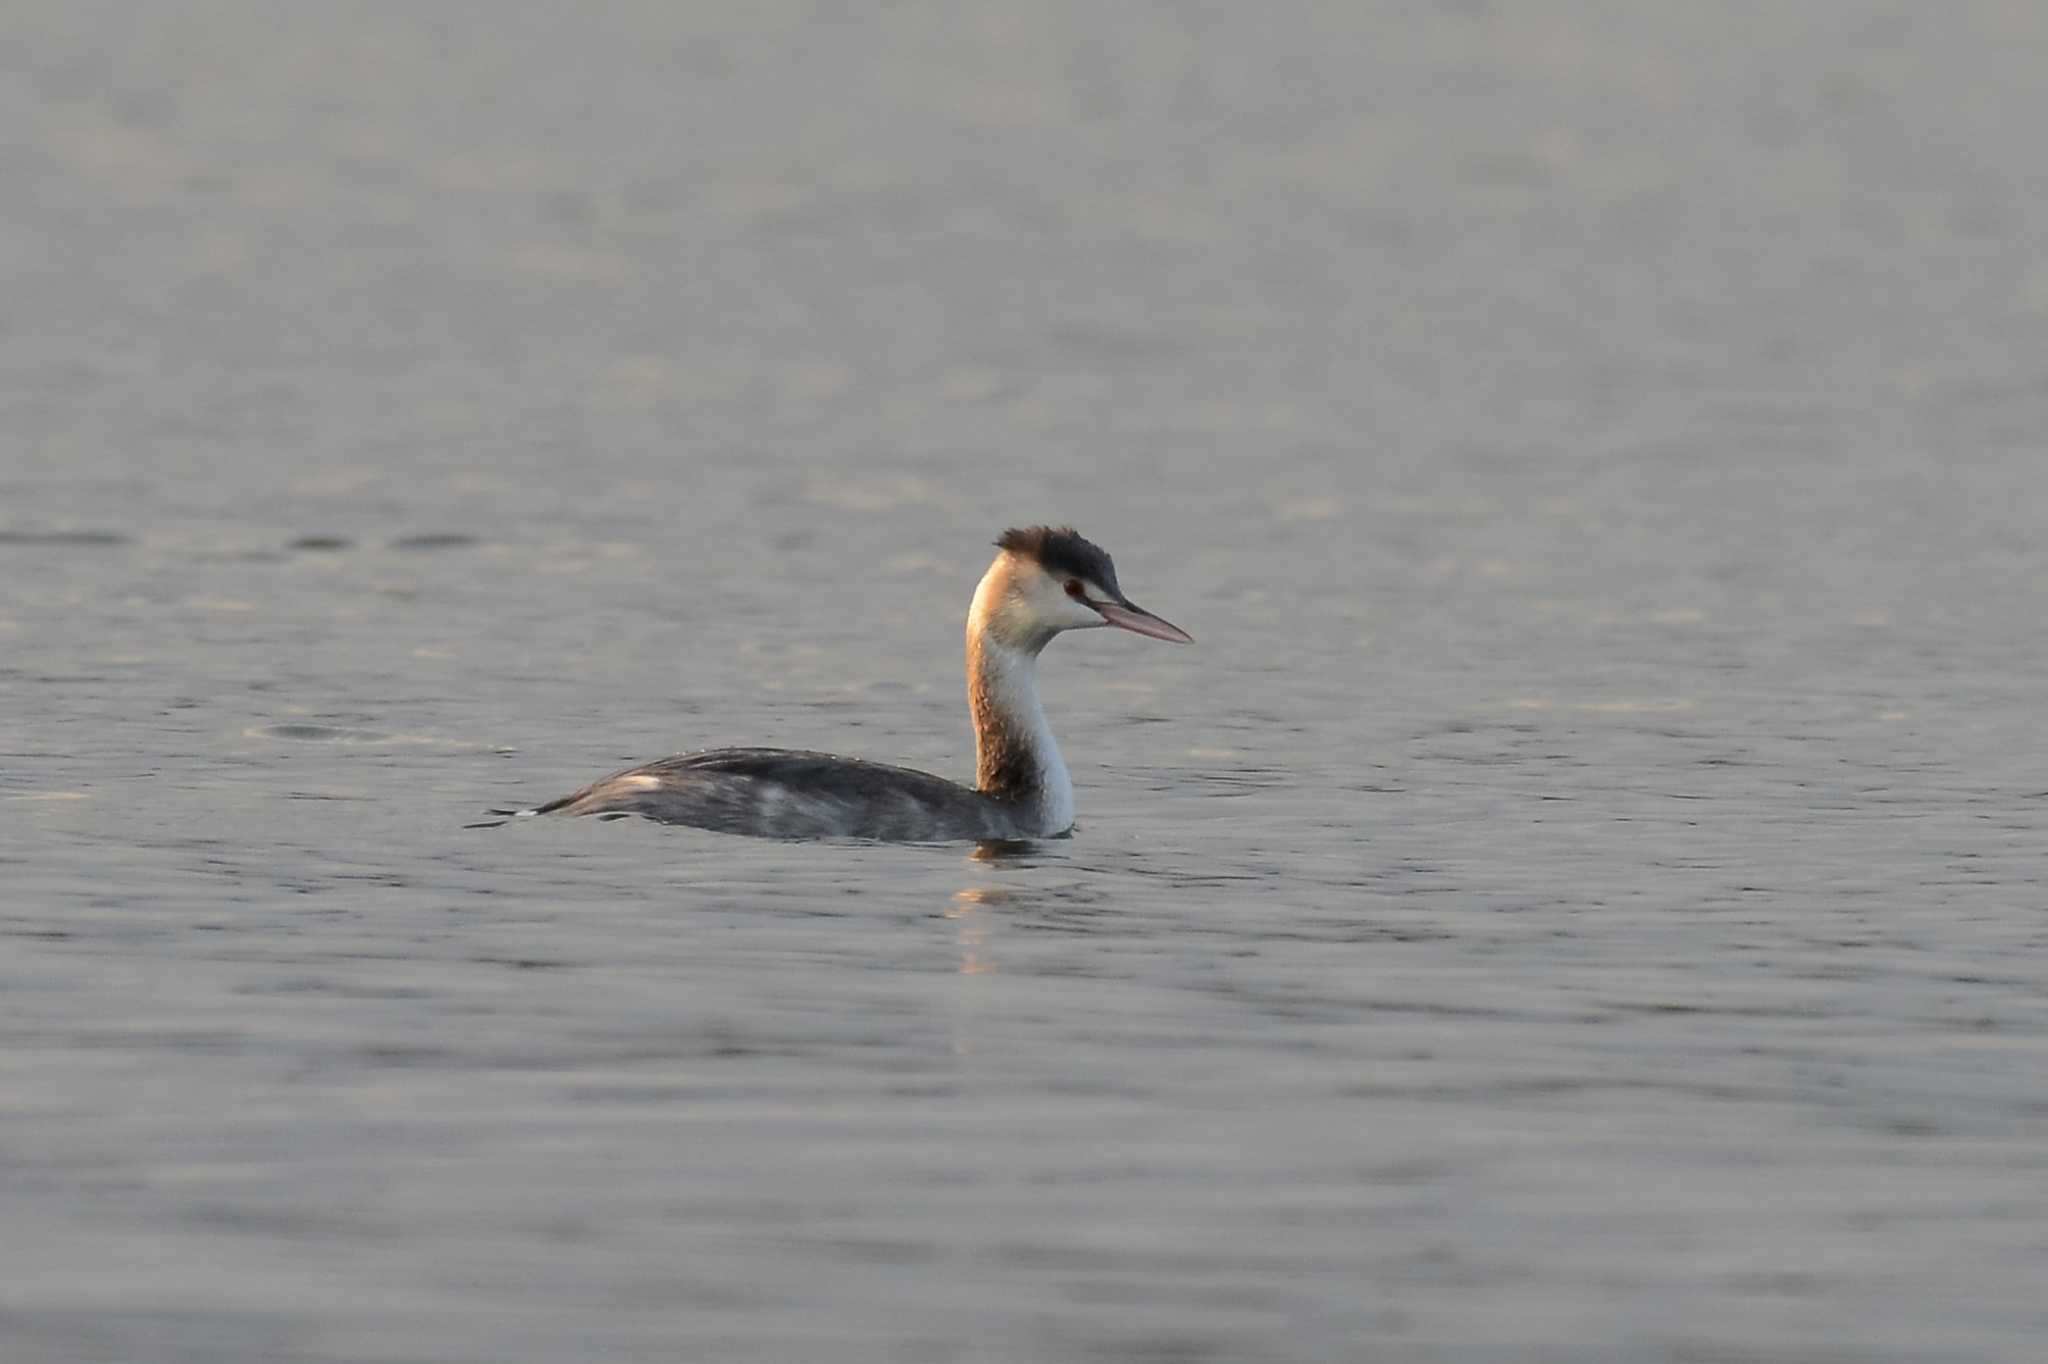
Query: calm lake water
1581	900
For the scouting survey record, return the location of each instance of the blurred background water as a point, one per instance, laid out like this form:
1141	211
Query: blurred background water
1581	900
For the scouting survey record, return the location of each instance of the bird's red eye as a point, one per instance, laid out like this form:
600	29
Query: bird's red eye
1073	587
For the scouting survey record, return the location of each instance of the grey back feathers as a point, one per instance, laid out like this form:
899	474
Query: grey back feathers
1062	552
790	793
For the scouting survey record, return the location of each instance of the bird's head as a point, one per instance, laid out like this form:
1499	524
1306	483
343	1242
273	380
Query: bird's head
1046	580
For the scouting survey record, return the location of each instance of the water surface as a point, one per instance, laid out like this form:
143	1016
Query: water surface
1581	900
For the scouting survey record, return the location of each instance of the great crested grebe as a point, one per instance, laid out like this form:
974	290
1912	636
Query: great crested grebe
1044	581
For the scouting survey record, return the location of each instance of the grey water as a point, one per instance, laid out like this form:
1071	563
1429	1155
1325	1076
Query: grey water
1582	898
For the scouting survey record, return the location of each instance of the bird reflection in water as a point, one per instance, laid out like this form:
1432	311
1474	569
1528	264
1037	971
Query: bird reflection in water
971	926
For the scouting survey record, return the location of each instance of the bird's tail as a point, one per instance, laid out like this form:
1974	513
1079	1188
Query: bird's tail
504	817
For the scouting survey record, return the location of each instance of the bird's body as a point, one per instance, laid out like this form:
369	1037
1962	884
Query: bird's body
791	793
1043	582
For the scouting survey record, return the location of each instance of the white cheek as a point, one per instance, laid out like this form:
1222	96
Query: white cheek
1079	617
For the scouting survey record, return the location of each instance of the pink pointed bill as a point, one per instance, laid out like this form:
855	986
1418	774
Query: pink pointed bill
1136	619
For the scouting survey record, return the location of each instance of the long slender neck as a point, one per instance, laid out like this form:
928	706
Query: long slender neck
1016	758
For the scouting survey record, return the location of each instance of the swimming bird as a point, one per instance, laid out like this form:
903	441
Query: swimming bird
1044	581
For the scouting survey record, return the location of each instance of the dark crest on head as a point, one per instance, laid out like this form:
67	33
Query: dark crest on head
1061	551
